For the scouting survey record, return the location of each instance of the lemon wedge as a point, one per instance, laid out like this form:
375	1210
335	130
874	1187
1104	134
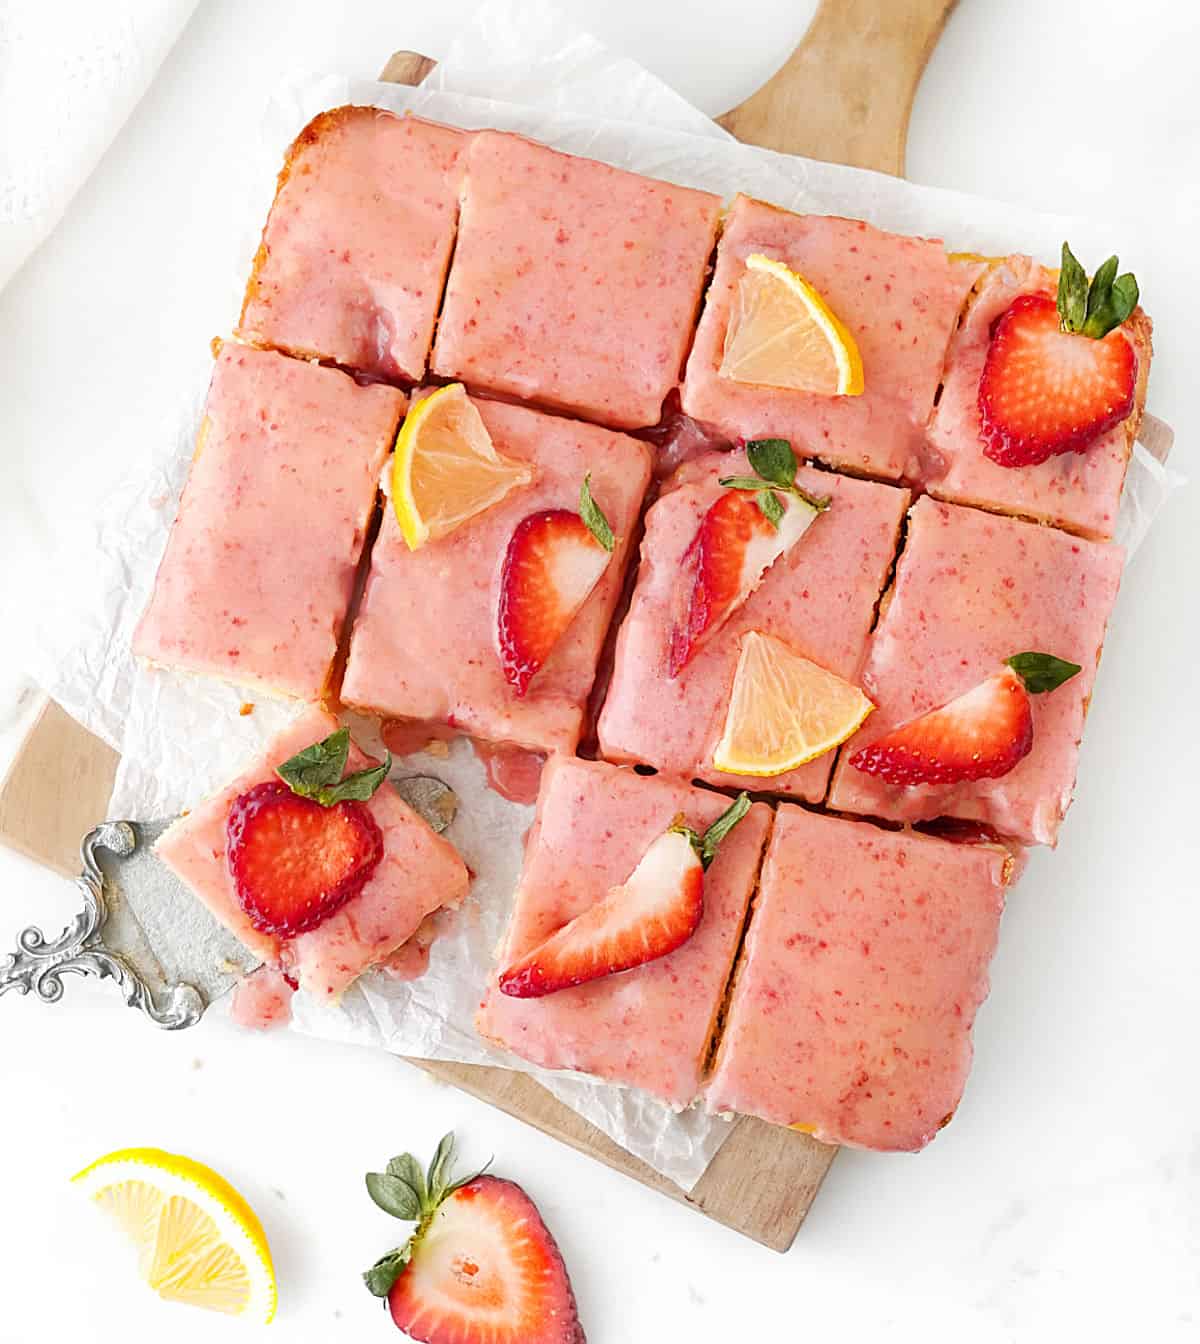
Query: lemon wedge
782	333
446	468
197	1239
784	710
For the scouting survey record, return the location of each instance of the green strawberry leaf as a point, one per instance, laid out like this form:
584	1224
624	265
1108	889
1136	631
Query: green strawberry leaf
387	1269
741	482
1041	672
1072	291
1124	297
593	516
395	1196
770	507
407	1169
774	461
318	766
818	502
358	786
437	1180
722	826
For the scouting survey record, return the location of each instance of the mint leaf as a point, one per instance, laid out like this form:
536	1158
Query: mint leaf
1072	292
394	1196
774	461
722	826
318	766
387	1269
770	507
593	516
406	1168
358	786
1041	672
741	482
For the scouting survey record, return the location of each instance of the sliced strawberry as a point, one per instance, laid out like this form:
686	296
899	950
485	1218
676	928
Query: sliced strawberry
654	912
295	862
1045	391
486	1270
552	564
725	562
981	734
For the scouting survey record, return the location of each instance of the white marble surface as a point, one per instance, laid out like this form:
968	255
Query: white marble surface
1063	1201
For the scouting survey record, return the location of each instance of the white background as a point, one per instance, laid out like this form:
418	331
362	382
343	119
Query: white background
1064	1201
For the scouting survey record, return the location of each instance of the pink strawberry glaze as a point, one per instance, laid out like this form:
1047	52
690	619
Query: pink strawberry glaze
1078	491
819	599
259	567
972	589
866	960
424	642
262	1000
356	246
648	1027
900	298
574	285
418	873
512	773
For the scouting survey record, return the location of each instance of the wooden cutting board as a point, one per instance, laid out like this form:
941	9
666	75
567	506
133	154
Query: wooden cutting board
844	95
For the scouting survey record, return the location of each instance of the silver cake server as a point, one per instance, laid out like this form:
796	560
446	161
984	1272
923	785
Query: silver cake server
134	910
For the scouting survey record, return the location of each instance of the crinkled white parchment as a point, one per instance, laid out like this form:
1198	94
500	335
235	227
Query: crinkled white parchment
521	67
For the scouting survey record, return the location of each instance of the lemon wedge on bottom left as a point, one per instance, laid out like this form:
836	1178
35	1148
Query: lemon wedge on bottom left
197	1239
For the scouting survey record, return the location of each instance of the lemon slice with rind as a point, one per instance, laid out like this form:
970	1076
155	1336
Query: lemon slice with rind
784	710
783	334
446	469
197	1239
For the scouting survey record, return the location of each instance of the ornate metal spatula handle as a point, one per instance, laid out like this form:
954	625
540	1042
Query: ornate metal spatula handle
39	964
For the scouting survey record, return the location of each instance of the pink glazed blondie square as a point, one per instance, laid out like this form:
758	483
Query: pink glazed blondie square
424	645
899	297
1078	491
865	962
419	873
649	1027
256	579
971	590
574	285
819	599
354	254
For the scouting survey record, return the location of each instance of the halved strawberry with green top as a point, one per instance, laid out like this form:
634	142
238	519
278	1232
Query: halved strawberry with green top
656	910
740	537
300	847
981	734
481	1267
1059	373
554	560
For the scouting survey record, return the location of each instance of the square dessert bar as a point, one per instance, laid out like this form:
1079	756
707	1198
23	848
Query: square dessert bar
354	253
900	299
424	644
649	1027
1078	491
971	590
257	576
574	285
819	599
419	873
865	962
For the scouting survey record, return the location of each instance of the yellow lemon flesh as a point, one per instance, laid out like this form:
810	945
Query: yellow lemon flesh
784	710
782	333
446	468
197	1239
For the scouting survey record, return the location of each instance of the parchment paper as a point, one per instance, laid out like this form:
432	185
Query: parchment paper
520	67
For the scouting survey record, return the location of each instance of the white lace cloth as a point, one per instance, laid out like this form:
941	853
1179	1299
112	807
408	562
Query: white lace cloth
71	72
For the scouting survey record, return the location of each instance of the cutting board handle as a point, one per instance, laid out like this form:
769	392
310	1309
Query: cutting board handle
844	95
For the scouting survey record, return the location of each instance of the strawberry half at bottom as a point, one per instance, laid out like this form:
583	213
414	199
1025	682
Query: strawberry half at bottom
1046	391
295	862
656	910
981	734
481	1267
552	564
